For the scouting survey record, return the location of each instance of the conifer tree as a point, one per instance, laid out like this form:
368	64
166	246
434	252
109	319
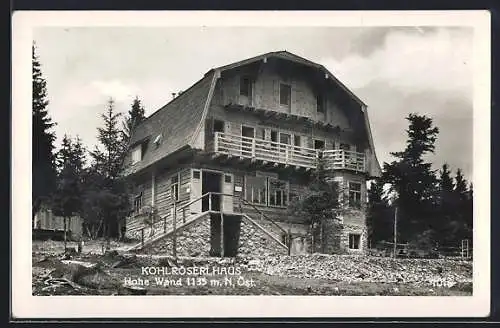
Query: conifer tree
67	198
412	179
43	138
135	116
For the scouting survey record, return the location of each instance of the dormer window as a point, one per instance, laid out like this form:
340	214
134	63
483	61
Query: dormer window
157	140
137	154
245	86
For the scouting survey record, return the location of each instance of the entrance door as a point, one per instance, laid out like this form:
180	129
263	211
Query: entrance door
227	189
211	182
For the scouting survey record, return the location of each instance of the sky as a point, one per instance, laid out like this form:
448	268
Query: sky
394	70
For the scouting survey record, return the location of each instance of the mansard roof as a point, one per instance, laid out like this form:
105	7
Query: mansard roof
180	121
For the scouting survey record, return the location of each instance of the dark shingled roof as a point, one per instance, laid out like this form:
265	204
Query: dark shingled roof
177	121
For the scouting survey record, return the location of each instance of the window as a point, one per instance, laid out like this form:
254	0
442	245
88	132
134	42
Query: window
247	132
218	126
278	193
285	92
138	203
227	178
355	194
319	144
174	188
345	146
285	138
297	141
256	190
320	104
136	154
245	87
354	240
260	133
196	174
157	140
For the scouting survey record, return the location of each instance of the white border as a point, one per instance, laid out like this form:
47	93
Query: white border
24	305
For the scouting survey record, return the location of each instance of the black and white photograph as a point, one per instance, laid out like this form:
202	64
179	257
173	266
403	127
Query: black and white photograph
251	158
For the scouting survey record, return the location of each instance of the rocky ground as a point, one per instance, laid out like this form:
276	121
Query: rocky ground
120	273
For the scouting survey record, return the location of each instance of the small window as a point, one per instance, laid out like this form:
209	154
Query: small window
157	140
245	87
319	144
320	104
138	203
218	126
355	194
285	92
227	178
136	154
354	239
196	174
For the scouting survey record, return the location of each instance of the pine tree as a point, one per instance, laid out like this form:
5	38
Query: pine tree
67	198
136	115
43	138
412	179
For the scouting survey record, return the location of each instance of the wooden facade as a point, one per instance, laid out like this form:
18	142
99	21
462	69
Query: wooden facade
251	132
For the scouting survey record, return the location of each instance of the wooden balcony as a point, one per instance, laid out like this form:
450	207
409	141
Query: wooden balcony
267	151
339	159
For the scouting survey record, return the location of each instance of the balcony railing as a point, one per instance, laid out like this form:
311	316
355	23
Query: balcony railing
276	152
339	159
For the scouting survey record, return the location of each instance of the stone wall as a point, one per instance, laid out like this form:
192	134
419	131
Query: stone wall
255	242
192	240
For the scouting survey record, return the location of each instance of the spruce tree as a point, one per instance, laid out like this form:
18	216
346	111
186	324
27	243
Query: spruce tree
379	216
446	212
106	197
67	198
412	179
43	138
135	116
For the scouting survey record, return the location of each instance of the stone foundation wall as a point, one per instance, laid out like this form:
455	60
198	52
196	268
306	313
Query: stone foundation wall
255	242
192	240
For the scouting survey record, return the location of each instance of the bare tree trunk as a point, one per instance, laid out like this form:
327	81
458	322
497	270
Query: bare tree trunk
65	238
88	231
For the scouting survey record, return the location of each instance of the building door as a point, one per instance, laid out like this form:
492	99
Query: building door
196	191
227	190
211	182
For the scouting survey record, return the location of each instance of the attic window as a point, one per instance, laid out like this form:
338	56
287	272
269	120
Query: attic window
245	87
320	104
285	92
137	154
157	140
